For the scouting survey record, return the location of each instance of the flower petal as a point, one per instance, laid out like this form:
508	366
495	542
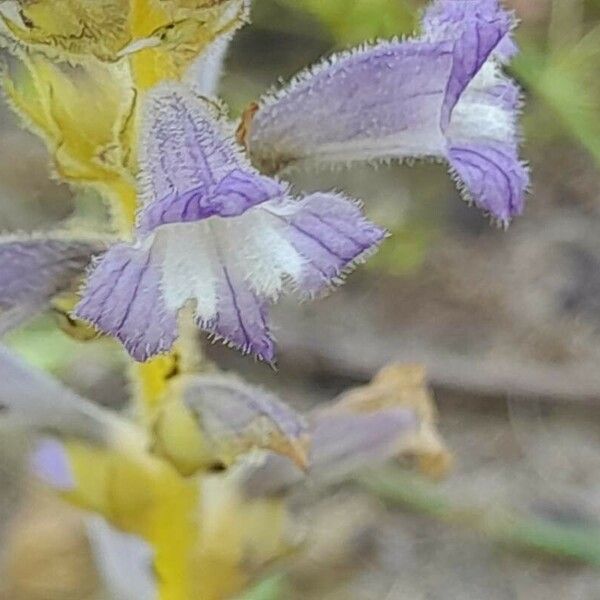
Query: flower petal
493	176
331	235
204	74
477	29
444	17
391	100
34	268
377	102
241	318
123	298
191	167
231	196
50	463
483	140
233	267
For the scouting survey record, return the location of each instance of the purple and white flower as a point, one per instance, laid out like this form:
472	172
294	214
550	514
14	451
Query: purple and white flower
440	95
215	232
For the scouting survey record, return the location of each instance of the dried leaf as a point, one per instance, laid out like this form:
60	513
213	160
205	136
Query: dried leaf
400	386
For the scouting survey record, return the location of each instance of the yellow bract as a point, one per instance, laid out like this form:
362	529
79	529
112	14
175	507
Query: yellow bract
79	69
146	497
207	538
108	29
82	114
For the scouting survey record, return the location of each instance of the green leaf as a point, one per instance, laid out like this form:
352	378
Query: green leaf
569	86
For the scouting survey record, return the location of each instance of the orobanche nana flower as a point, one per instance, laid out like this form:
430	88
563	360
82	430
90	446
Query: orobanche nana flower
214	230
442	95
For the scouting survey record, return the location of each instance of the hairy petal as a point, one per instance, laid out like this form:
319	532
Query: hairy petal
331	235
231	196
391	100
34	268
493	176
445	18
185	144
484	123
396	100
240	318
204	74
377	102
204	262
215	232
233	267
123	298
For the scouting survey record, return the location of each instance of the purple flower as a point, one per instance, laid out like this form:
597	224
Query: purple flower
215	232
34	268
441	95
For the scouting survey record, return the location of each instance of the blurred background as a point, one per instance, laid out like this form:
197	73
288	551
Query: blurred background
507	324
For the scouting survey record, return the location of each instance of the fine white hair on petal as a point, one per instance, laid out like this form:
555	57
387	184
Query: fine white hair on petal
268	257
204	74
488	108
187	269
185	142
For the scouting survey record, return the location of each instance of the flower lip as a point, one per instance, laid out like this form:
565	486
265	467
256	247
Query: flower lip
232	196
